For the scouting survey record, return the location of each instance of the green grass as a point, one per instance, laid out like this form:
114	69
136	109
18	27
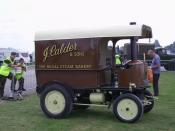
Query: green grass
26	115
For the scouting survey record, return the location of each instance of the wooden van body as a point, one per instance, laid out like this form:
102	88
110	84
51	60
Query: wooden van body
82	59
80	63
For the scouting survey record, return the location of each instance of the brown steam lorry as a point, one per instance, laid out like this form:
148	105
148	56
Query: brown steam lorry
76	69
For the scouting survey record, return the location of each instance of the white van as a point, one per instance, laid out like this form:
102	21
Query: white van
24	55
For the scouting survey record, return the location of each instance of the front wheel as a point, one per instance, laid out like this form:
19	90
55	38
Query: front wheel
128	108
56	101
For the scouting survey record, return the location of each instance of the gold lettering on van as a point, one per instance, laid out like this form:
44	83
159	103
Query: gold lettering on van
54	50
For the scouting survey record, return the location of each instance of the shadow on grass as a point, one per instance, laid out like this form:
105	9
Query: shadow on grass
93	112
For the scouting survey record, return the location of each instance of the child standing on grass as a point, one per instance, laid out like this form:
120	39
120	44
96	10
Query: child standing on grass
19	74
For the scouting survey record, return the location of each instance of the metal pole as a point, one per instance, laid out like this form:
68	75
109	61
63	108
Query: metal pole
113	63
133	49
113	54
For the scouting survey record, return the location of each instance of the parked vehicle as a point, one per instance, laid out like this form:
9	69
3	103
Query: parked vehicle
1	58
25	56
76	69
33	56
167	59
5	52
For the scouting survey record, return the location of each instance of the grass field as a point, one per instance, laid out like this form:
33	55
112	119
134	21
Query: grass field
26	115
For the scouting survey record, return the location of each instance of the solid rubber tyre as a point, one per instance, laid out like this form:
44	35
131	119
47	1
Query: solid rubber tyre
56	101
128	108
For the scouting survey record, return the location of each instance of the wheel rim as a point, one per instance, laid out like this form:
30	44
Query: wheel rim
127	109
55	102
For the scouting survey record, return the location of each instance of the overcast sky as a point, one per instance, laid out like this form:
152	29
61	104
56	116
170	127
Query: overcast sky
19	19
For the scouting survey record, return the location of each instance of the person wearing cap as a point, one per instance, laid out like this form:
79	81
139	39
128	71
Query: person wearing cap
5	71
155	66
19	74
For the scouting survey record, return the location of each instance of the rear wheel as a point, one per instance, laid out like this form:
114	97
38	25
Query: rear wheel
56	101
128	108
149	98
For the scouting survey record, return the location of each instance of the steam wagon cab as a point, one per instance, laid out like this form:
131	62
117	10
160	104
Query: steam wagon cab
76	69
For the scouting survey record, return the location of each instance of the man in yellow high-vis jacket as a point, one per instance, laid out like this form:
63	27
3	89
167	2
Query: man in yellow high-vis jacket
5	71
